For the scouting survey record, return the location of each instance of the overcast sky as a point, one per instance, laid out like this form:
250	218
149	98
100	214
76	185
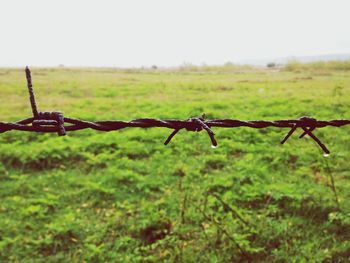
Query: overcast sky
134	33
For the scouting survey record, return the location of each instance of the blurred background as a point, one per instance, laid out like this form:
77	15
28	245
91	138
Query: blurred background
166	33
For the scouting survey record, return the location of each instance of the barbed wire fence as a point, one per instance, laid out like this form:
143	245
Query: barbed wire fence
48	122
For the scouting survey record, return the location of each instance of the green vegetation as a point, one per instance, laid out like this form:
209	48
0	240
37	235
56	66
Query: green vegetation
125	197
319	65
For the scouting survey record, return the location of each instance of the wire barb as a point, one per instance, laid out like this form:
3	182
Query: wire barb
31	93
308	124
48	122
198	125
42	119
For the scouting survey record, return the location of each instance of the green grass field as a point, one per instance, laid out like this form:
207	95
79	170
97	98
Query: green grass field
125	197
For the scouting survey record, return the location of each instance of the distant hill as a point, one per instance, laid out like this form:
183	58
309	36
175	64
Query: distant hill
304	59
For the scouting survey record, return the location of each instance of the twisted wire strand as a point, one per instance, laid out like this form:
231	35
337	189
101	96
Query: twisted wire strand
48	122
76	124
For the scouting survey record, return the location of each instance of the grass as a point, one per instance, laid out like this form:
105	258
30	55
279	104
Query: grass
319	65
125	197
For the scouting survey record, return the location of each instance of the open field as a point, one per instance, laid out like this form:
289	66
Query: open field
125	197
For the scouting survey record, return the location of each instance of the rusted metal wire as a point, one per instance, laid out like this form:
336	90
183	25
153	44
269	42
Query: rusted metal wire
47	122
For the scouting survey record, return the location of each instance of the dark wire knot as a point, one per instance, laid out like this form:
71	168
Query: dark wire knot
307	121
55	119
195	125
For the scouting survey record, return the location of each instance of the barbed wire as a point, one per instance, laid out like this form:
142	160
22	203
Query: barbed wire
48	122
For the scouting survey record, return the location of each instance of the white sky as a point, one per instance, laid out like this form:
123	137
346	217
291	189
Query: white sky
168	33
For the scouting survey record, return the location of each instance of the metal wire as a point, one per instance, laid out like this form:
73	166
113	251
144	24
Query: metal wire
47	122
